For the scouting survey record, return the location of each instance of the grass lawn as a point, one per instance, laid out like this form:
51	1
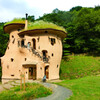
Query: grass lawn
79	66
87	88
33	90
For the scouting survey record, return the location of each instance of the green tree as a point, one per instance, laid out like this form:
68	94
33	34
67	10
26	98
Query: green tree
30	18
77	8
3	40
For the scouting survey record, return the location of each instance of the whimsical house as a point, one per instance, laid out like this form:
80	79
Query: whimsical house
34	49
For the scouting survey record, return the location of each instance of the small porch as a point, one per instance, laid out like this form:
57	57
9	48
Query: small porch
34	70
30	71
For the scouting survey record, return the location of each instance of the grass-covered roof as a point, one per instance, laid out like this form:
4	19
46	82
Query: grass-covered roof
42	25
37	24
16	20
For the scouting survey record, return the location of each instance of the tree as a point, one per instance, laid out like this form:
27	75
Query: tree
3	40
77	8
30	18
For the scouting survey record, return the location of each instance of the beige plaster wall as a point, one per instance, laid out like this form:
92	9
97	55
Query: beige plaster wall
19	54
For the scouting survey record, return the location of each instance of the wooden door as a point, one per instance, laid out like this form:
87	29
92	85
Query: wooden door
34	73
30	72
47	72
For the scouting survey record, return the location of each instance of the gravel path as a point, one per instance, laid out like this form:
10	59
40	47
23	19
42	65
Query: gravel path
59	92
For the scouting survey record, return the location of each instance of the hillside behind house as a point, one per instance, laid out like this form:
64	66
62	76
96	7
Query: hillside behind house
78	66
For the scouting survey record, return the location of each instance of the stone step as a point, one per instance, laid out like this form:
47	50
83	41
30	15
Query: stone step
14	84
7	86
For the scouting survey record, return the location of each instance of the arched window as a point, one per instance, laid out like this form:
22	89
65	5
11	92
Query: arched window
34	43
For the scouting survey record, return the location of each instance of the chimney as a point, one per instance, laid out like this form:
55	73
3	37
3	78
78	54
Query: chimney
26	22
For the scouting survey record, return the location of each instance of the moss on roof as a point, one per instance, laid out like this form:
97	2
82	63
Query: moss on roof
16	20
37	24
42	25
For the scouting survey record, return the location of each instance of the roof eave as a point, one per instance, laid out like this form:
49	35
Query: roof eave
28	32
9	27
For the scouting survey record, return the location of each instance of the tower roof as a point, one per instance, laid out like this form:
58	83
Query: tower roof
10	27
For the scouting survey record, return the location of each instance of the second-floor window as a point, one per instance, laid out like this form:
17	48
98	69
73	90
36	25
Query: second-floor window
22	43
34	43
53	41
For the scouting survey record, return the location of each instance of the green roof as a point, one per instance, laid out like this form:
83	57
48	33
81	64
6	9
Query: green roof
16	20
42	25
37	24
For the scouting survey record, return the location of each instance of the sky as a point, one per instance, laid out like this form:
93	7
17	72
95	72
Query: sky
10	9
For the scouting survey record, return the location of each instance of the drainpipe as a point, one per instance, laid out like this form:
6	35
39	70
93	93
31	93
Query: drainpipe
26	22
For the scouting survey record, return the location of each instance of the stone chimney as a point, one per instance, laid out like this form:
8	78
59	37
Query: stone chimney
26	22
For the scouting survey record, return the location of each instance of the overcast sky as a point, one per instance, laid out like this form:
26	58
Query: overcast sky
10	9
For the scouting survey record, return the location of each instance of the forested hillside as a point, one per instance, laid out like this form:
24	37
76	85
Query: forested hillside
82	25
83	28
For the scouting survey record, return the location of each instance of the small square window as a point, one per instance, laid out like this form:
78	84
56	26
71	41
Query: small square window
12	59
12	75
52	54
12	36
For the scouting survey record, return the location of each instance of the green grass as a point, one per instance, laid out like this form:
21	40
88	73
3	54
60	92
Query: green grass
33	90
79	66
87	88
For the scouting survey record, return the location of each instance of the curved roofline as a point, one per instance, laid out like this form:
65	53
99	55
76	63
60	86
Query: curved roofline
62	33
8	28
